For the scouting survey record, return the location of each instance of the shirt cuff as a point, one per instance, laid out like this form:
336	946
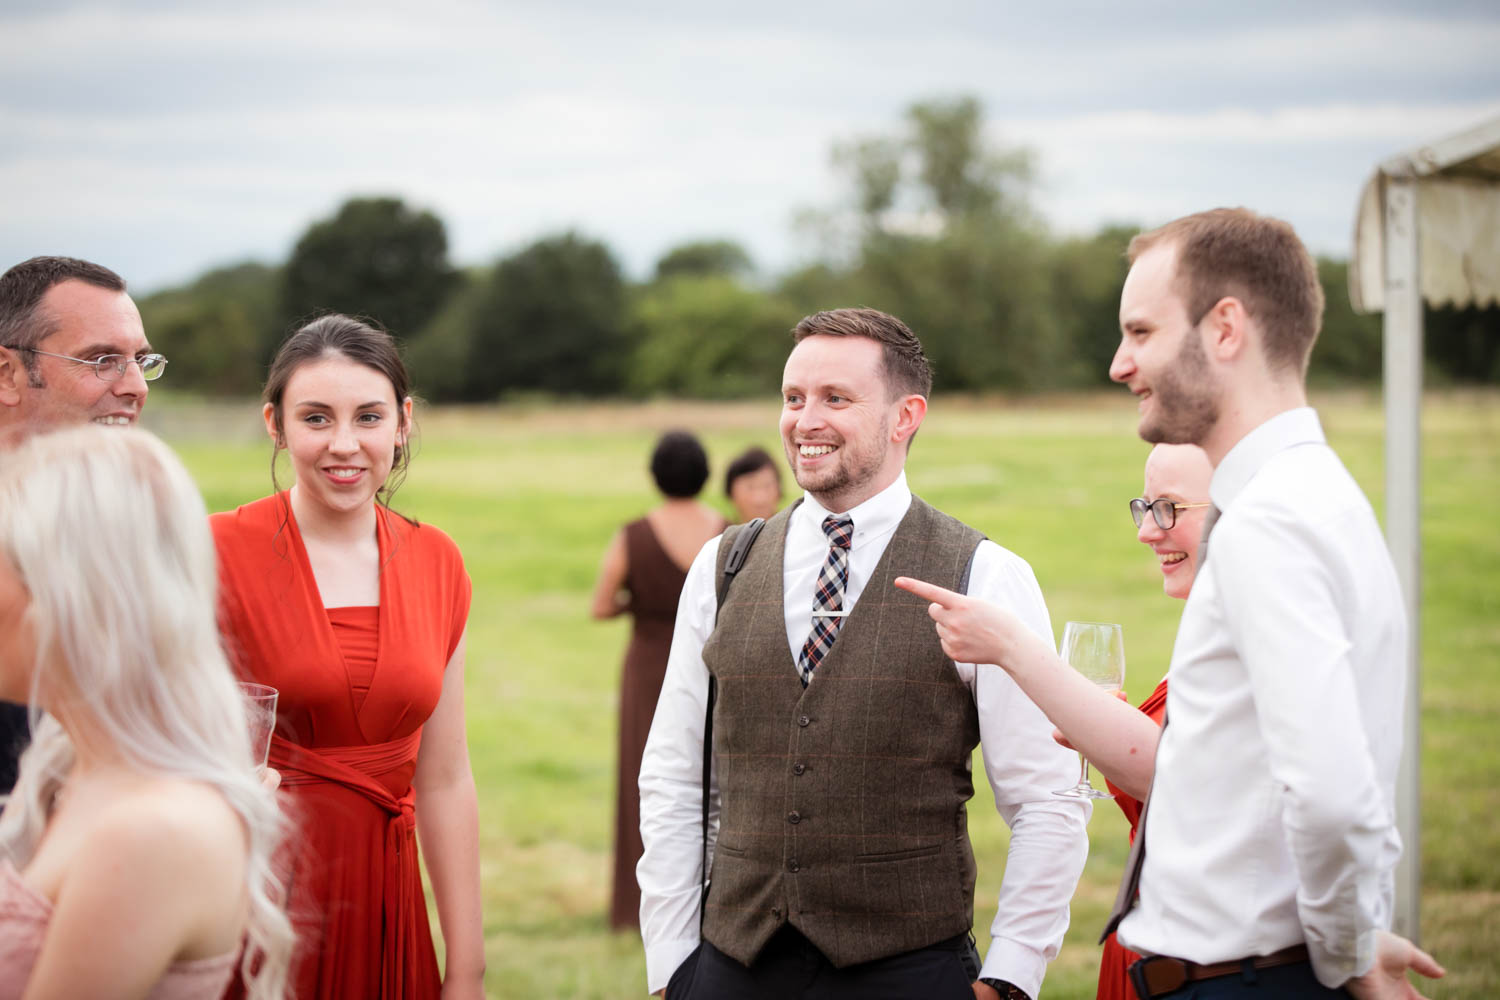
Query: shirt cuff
1015	963
1334	969
663	959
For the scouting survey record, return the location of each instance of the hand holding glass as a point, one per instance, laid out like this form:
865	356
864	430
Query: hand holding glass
1097	651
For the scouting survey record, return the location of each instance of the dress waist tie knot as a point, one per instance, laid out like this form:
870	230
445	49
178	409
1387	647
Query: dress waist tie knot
355	768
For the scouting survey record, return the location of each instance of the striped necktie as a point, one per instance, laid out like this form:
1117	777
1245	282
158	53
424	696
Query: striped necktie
828	596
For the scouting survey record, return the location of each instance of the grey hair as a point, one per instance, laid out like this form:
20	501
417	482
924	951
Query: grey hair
111	538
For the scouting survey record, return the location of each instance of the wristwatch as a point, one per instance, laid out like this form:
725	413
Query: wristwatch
1007	991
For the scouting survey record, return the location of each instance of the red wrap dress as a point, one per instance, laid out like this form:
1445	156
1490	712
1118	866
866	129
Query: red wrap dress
1113	984
356	686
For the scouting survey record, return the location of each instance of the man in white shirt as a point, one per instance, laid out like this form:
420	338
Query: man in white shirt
1270	838
842	735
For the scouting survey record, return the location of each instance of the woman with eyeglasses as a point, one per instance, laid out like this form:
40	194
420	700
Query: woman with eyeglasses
1169	521
136	850
357	616
1118	740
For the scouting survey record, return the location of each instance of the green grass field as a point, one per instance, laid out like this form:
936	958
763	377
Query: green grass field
532	494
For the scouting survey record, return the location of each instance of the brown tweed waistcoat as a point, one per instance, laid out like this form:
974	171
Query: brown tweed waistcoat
842	805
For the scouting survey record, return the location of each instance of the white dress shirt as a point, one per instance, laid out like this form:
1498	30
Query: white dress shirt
1048	837
1272	816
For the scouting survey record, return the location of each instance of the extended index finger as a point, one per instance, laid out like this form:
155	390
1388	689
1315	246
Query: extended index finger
929	591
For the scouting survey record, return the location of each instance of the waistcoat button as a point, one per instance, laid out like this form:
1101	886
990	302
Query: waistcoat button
804	721
798	767
792	866
794	817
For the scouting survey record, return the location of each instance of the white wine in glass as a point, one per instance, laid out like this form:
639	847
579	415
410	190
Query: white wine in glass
1097	651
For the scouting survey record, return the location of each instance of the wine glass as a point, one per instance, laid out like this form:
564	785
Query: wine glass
260	710
1097	651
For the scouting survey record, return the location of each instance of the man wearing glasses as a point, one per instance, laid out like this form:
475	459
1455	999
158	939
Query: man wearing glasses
72	350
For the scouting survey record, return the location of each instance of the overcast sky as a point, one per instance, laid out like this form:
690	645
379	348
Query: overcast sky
163	138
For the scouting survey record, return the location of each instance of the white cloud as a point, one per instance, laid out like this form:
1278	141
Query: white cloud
186	135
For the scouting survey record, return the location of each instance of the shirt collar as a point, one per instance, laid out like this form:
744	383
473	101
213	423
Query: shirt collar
1285	430
876	516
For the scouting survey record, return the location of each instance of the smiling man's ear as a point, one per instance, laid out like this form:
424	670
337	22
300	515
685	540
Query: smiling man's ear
910	413
1228	329
13	377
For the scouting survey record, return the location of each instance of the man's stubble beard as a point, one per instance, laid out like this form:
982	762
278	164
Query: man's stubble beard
1187	398
852	474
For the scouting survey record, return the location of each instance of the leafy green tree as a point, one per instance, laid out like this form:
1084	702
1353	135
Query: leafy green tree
374	257
551	318
438	356
708	336
1349	346
1459	345
218	332
705	257
1464	344
1087	275
976	297
874	167
946	240
962	176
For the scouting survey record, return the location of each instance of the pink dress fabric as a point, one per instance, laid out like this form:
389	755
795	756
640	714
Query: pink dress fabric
24	914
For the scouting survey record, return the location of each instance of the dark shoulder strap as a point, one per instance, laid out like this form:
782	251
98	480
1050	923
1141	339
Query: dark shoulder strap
739	550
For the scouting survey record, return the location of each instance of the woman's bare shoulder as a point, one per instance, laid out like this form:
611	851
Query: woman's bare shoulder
167	825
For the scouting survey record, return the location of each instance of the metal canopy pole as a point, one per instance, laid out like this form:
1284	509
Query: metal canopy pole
1403	398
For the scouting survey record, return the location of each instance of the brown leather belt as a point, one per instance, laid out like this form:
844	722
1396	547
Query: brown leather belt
1158	975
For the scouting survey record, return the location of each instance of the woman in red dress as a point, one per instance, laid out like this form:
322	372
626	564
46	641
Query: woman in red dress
1119	743
357	616
1179	474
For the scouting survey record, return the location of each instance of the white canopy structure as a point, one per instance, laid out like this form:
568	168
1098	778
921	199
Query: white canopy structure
1427	229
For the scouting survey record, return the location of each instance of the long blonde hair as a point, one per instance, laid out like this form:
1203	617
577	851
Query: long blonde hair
111	538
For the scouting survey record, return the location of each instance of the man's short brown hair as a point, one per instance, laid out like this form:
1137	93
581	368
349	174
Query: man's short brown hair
1256	259
23	286
907	370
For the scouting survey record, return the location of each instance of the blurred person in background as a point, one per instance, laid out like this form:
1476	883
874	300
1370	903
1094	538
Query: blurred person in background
135	852
357	616
642	575
72	350
753	484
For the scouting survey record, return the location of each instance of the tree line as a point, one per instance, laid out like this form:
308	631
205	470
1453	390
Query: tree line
937	226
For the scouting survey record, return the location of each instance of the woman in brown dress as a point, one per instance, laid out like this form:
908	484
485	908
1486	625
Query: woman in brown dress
643	572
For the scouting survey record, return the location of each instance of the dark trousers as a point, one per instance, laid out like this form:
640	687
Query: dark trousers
1294	982
790	968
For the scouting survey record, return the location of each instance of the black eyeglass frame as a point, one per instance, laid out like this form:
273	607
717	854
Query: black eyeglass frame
1163	511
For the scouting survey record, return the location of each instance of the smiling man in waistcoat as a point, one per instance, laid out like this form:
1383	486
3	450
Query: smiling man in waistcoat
842	735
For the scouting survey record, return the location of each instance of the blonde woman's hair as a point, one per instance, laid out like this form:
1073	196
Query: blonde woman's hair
111	538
